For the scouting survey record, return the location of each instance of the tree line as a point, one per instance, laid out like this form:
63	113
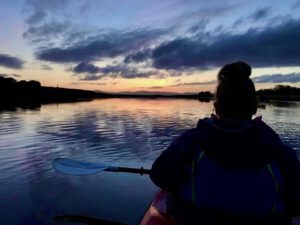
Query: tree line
32	94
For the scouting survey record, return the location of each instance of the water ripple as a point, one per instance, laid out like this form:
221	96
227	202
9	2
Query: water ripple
126	132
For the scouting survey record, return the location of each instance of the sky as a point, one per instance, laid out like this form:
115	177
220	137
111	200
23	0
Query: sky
152	45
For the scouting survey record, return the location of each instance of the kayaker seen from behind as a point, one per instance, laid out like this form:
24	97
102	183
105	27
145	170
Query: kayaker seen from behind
230	169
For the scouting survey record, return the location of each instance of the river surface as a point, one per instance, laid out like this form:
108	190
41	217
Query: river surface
122	132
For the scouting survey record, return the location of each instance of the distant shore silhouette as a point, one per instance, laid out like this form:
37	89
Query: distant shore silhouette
279	93
30	94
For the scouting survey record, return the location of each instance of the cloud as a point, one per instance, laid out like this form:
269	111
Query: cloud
109	44
260	13
296	4
15	75
46	20
273	78
85	67
11	62
154	87
238	22
36	17
89	83
138	56
178	54
46	67
278	78
9	75
179	84
92	77
216	9
199	26
93	72
268	47
4	75
46	31
194	83
194	49
53	5
39	9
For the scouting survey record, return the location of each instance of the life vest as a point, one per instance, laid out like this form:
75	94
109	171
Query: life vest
253	191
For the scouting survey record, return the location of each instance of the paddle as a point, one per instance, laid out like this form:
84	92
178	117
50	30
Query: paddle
75	167
85	219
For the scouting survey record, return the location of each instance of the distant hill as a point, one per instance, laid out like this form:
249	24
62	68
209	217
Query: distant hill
143	92
279	92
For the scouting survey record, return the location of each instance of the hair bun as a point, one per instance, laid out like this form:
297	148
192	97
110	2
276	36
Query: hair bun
235	71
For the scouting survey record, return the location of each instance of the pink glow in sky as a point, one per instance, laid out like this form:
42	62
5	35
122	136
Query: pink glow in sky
152	45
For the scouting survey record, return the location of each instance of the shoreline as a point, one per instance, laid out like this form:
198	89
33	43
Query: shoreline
30	94
23	103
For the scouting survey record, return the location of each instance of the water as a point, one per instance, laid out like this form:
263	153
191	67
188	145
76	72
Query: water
123	132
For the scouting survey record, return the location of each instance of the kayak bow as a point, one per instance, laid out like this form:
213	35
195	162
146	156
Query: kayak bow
156	214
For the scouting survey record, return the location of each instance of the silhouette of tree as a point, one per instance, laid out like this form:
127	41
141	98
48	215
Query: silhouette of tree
279	92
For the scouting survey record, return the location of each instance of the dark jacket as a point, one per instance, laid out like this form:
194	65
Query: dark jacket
236	146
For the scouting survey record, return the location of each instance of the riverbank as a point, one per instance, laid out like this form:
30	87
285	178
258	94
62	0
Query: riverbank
30	94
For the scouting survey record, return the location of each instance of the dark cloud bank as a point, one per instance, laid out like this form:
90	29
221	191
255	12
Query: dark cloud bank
260	13
272	46
270	78
121	70
11	62
278	78
107	45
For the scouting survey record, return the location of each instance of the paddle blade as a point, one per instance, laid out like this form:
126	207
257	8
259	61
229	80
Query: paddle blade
74	167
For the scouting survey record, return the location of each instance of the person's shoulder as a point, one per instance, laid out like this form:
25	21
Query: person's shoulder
194	133
266	133
205	122
271	138
188	135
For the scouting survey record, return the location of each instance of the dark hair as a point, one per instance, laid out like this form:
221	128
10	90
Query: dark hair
235	94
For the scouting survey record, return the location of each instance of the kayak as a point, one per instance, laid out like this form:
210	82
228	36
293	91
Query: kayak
157	214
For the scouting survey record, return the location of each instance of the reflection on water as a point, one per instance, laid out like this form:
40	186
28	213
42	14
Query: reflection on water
283	104
125	132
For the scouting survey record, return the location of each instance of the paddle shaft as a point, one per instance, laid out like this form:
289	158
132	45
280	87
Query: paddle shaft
130	170
85	219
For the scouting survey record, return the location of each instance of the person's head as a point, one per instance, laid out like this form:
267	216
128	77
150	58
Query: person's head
235	94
